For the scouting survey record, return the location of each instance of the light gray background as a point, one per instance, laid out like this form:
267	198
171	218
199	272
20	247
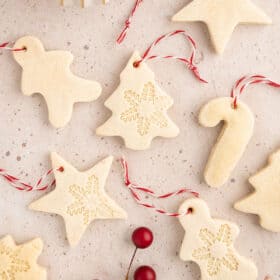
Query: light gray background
26	136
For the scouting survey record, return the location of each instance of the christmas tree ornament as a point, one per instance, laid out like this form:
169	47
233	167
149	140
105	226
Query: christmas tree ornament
236	133
81	3
210	243
139	107
142	238
221	17
48	73
19	262
79	197
138	190
265	201
232	142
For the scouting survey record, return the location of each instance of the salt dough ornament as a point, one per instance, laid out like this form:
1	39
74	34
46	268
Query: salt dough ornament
139	108
79	197
265	201
19	262
221	17
236	133
210	243
48	73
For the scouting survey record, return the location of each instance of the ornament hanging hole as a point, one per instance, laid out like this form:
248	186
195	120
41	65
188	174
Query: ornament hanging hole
190	210
136	64
60	169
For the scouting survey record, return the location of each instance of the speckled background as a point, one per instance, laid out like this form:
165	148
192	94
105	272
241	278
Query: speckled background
26	138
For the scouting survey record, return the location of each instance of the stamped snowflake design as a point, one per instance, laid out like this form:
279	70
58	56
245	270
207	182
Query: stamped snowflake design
146	109
11	264
217	250
88	201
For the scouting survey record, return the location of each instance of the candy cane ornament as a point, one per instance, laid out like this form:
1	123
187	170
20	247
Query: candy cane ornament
139	107
236	133
136	191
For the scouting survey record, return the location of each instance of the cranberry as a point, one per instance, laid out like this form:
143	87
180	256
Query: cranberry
145	273
142	237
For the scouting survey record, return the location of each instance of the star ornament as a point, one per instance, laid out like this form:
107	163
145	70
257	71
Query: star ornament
79	197
139	108
221	17
19	262
265	201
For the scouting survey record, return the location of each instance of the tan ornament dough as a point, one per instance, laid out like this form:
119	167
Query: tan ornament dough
139	108
236	133
19	262
265	201
221	17
210	243
48	73
79	197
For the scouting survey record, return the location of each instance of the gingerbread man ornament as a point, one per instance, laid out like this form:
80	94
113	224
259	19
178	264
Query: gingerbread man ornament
210	243
48	73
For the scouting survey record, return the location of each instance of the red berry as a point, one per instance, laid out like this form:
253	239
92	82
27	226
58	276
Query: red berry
142	237
145	273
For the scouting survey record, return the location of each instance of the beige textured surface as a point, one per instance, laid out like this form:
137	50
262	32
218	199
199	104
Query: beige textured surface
27	137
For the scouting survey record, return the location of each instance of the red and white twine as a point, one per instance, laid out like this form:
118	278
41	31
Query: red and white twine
245	81
22	186
190	62
123	34
6	46
136	189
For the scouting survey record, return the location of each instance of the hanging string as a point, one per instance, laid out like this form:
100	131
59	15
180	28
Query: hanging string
245	81
123	34
136	189
188	61
6	46
22	186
